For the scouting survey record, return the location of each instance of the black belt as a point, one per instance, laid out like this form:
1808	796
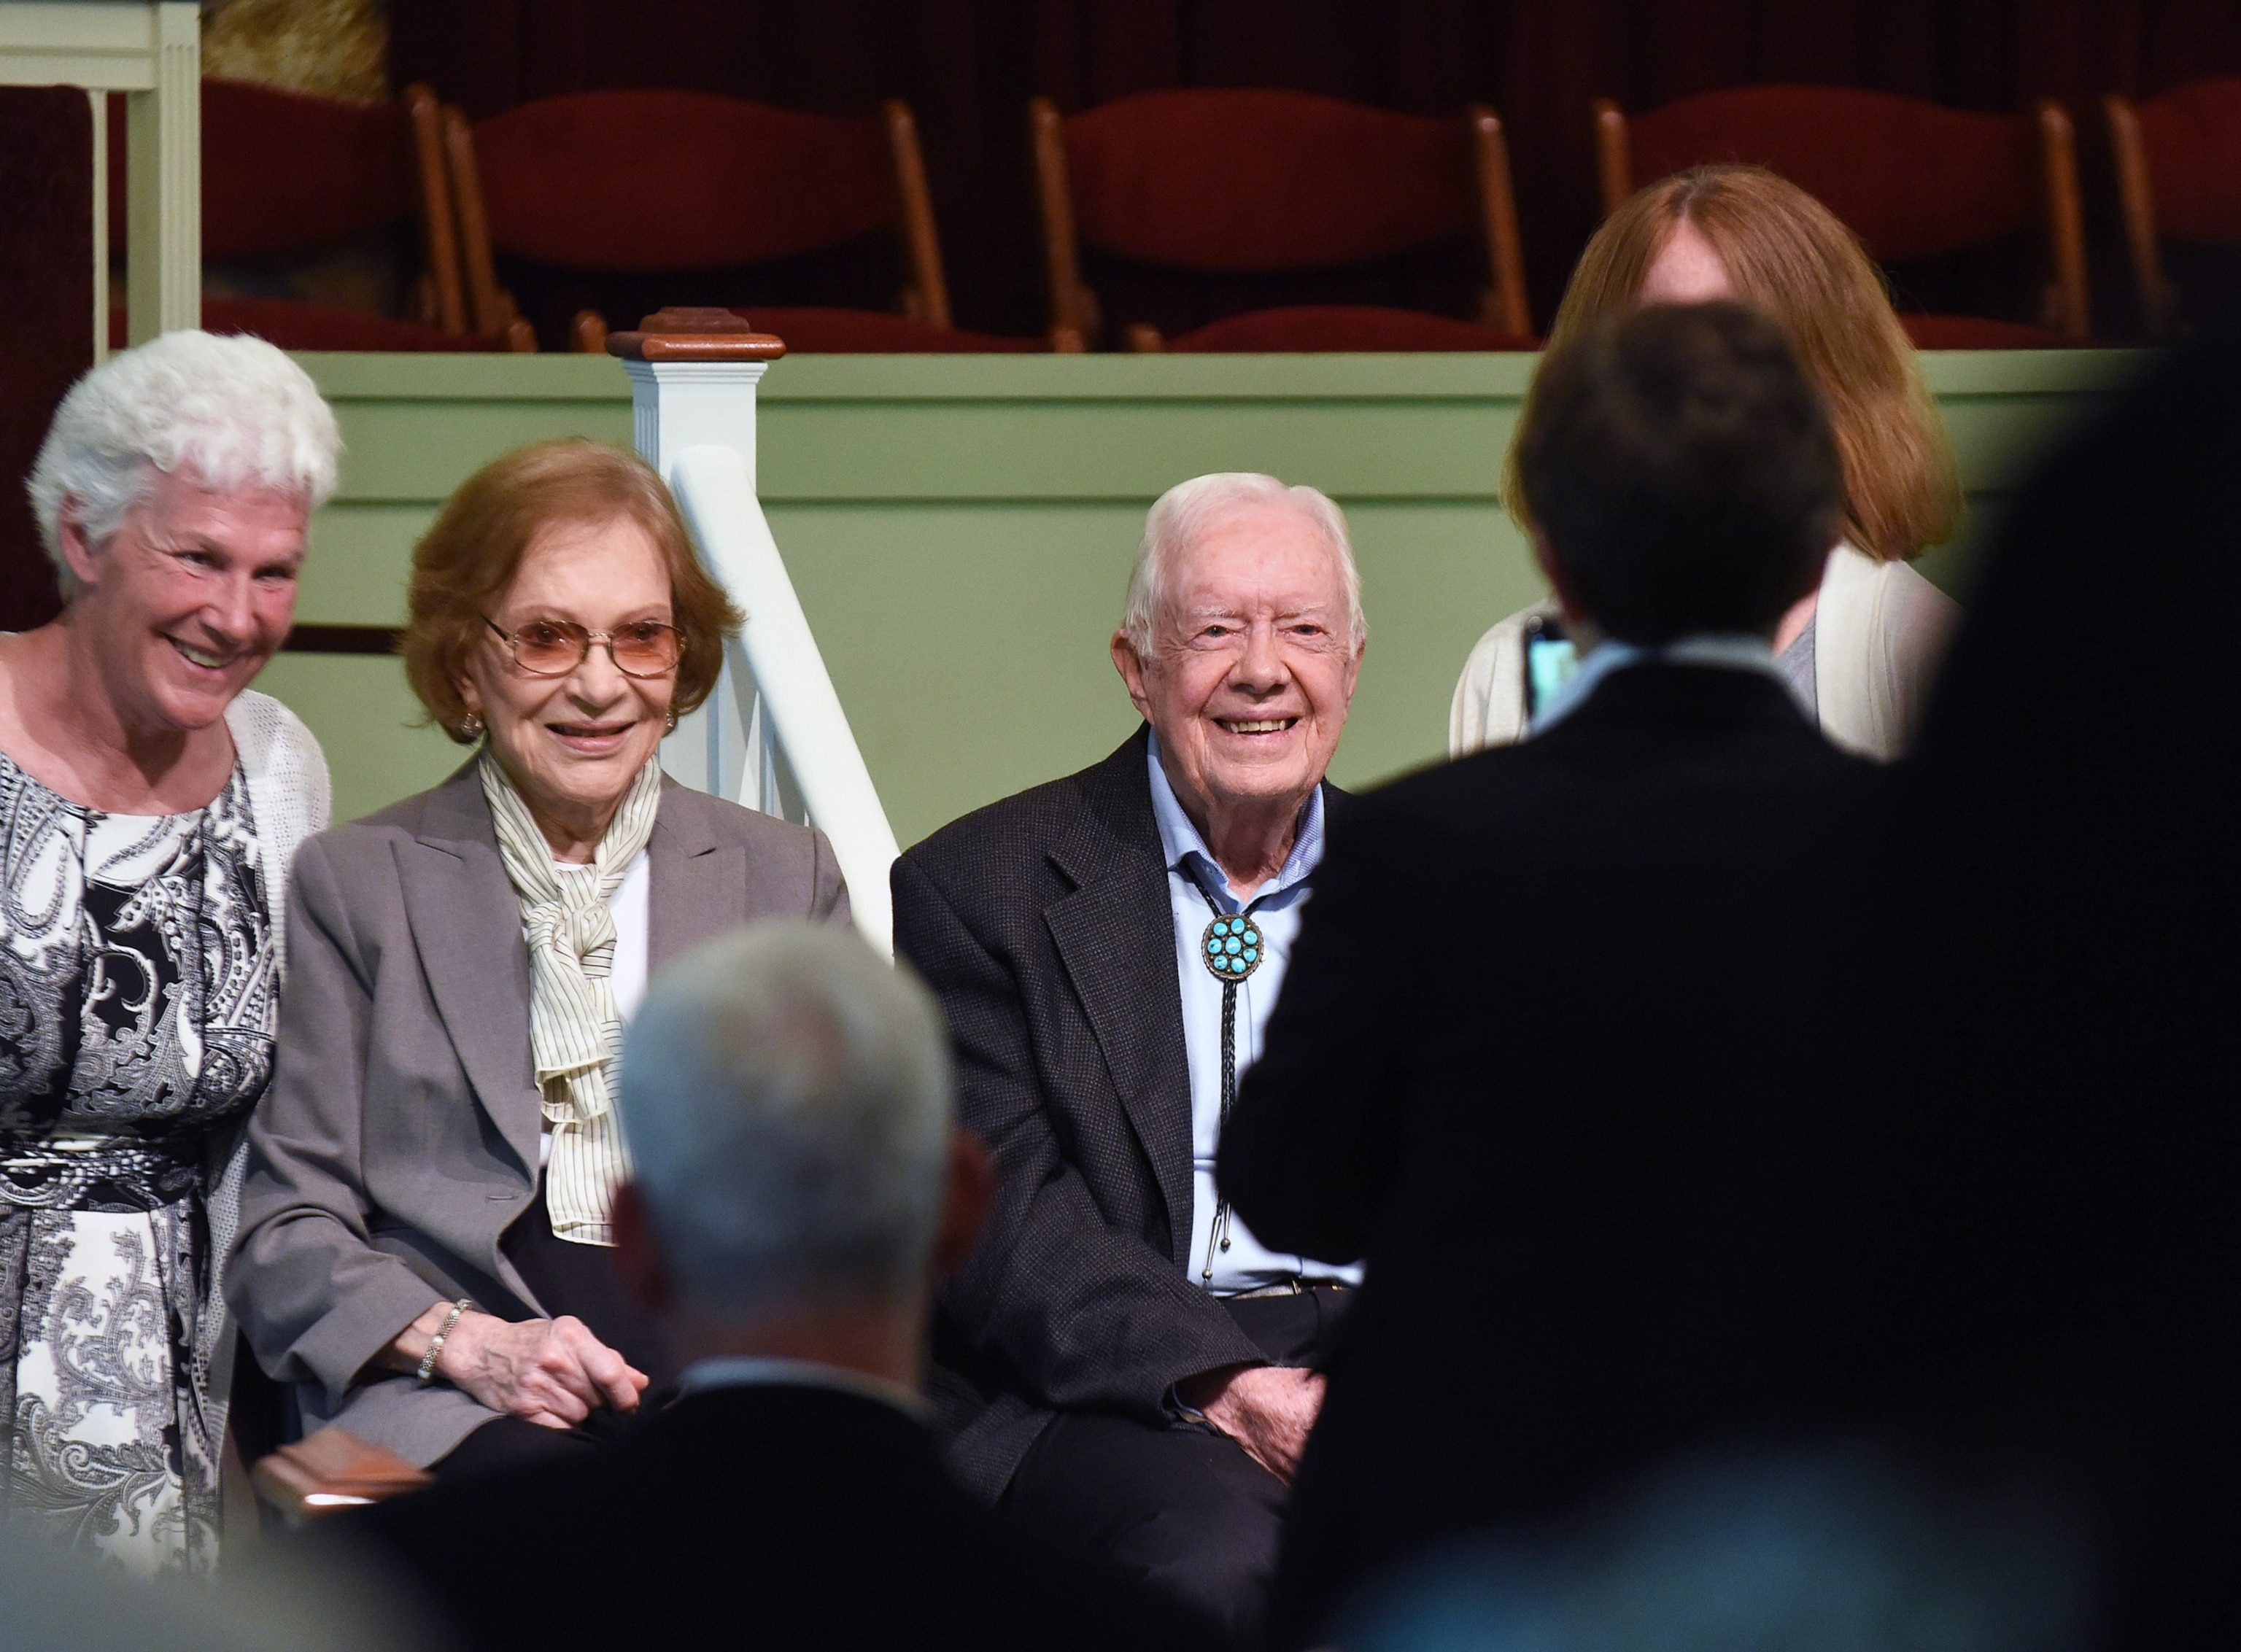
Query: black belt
1290	1288
106	1174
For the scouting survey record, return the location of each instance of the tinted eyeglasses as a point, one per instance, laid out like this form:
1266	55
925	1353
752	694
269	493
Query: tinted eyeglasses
555	647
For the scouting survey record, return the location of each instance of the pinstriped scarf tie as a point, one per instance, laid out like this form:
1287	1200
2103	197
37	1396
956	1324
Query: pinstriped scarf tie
574	1030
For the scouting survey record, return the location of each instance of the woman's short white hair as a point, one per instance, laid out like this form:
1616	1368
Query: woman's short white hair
785	1095
236	413
1187	510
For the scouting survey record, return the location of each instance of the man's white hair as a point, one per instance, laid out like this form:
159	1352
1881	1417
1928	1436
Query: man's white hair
1184	513
235	413
785	1096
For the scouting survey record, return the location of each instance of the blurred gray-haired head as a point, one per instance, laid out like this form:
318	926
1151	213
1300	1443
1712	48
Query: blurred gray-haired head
1180	515
786	1097
234	412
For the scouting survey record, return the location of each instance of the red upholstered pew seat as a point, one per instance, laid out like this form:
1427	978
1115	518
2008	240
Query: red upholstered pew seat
1913	180
2178	178
643	200
1235	184
1344	327
289	177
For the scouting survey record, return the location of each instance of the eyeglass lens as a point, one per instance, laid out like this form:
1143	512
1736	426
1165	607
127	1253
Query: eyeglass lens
645	649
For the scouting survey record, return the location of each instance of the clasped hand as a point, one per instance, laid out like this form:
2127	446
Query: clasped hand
548	1371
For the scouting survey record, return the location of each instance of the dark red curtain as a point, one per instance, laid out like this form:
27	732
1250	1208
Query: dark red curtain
969	66
46	299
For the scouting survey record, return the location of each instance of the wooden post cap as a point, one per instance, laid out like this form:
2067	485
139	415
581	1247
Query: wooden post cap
695	332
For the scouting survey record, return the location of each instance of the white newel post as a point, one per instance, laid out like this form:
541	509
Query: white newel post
152	53
693	374
781	743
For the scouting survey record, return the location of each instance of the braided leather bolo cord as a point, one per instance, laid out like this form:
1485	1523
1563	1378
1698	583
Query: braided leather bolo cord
1217	1237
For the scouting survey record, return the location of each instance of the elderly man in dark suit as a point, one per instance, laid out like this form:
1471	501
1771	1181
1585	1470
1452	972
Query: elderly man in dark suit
1572	1103
1122	1367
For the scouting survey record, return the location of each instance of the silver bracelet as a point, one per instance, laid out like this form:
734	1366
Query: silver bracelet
426	1374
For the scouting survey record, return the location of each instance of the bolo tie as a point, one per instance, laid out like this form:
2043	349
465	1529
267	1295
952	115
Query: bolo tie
1231	950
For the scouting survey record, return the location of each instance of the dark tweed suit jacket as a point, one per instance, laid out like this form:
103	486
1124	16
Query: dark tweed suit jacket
1042	923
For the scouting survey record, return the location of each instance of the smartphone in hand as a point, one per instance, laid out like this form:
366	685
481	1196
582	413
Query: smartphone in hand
1550	659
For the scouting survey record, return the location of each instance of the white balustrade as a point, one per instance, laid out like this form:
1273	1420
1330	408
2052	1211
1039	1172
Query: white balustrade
773	735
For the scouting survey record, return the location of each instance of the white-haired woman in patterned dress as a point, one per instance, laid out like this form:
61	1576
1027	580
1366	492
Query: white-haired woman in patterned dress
149	808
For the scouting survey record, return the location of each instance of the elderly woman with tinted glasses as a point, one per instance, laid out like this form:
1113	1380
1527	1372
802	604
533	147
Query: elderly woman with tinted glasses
424	1234
150	805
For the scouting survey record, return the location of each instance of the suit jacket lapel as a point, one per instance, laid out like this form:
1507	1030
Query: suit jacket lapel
466	923
699	884
1115	935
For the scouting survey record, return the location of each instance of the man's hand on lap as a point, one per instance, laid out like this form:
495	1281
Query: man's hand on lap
1265	1409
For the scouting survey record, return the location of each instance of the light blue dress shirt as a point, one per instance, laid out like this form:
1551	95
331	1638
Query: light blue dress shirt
1246	1265
1730	651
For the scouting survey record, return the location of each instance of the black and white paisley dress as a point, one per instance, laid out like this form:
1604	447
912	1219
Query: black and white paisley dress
138	1006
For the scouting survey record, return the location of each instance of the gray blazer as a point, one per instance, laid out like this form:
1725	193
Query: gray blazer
400	1137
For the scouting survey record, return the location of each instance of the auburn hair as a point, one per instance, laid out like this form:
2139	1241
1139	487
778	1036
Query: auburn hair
472	551
1788	255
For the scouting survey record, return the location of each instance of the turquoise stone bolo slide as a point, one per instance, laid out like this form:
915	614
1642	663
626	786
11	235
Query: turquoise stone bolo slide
1233	948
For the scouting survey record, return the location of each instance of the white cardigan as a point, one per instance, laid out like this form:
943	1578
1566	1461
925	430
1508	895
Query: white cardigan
289	798
289	793
1880	634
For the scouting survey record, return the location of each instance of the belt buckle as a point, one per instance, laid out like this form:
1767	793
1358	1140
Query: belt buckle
1294	1287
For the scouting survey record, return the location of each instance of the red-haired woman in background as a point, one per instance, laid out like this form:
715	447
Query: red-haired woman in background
1861	652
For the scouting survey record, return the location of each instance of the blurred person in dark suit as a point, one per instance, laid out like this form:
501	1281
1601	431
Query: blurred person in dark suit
1540	1058
1124	1367
2054	1273
797	1184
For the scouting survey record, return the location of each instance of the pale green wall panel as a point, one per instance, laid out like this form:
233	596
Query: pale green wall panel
420	450
355	573
959	528
1115	450
1433	577
969	642
363	713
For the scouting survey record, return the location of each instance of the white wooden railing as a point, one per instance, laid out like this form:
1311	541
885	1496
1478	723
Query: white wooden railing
773	735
